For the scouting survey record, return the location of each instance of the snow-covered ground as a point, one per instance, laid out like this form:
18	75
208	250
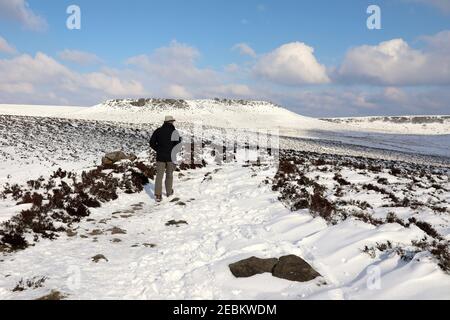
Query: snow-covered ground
401	125
39	110
255	115
232	210
155	261
228	113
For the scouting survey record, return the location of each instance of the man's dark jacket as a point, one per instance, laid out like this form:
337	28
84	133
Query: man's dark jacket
162	142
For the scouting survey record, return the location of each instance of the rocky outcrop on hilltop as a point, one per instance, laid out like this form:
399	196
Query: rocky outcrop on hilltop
151	102
183	104
396	120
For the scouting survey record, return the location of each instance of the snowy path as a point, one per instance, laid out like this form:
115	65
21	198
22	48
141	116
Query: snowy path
231	215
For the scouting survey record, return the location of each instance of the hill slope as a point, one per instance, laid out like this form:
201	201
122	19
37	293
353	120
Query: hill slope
400	124
242	114
350	214
217	113
252	115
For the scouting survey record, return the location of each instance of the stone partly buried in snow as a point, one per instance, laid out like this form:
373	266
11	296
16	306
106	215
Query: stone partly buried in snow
252	266
290	267
294	268
97	258
113	157
116	230
52	296
175	223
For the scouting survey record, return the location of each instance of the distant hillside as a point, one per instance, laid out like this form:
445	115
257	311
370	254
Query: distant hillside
399	124
218	114
183	104
222	113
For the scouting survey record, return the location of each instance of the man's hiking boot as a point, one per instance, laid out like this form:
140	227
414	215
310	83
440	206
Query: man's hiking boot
170	194
158	198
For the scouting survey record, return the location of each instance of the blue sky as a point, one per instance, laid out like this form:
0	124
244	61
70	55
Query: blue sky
201	49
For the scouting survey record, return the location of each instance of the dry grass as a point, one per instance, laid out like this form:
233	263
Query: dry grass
55	200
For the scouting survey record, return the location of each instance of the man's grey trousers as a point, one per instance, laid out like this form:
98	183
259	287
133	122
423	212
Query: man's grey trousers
161	168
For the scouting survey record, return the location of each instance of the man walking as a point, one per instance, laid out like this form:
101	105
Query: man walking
163	141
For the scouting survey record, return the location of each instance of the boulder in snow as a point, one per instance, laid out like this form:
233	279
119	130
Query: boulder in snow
252	266
175	223
290	267
113	157
98	258
117	230
294	268
54	295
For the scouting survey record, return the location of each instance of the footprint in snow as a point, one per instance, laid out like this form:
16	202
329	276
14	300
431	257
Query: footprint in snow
147	245
95	232
117	230
97	258
175	223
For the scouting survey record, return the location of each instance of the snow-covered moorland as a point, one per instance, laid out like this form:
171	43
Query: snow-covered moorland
226	113
373	222
401	124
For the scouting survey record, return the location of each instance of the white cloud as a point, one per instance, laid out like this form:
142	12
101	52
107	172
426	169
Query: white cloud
232	90
439	42
292	64
19	10
15	88
349	101
173	71
395	63
167	72
395	95
176	91
245	50
328	102
26	68
232	68
79	57
113	86
6	47
175	64
27	79
411	101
